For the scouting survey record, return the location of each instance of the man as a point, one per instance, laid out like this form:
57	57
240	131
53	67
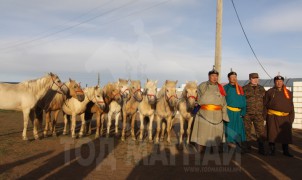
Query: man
208	124
278	104
254	112
236	109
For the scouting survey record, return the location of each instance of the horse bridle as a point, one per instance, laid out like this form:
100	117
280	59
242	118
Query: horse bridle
174	95
54	82
94	97
136	91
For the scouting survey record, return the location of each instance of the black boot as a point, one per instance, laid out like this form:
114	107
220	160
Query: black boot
261	149
246	147
285	150
272	149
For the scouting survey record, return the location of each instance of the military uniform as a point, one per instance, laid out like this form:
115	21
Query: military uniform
254	112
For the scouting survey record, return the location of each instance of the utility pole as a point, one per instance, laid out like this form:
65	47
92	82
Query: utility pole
218	38
99	79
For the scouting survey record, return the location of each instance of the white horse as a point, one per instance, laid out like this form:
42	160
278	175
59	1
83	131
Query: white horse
74	107
166	109
147	107
25	95
115	107
185	108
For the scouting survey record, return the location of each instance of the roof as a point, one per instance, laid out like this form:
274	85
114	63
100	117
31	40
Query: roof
270	82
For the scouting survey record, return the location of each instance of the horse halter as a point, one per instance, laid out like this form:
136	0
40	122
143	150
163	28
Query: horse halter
193	97
173	95
136	91
96	100
79	91
54	82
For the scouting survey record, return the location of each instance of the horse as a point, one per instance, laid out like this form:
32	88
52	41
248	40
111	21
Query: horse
53	101
111	92
73	107
166	109
185	108
25	95
146	108
115	107
130	106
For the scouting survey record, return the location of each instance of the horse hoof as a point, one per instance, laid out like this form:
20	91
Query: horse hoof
123	139
54	135
180	146
81	135
107	135
37	138
24	138
133	139
65	133
73	136
161	139
150	141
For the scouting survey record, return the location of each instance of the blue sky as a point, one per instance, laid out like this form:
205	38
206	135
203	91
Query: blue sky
156	39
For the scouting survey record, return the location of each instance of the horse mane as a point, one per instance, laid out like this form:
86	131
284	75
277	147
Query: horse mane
108	88
36	85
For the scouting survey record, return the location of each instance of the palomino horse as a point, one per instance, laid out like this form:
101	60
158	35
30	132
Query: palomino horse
146	108
74	107
111	92
115	107
25	95
53	101
130	106
185	108
166	109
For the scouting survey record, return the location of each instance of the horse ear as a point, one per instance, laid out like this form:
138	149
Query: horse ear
69	79
155	82
51	74
147	80
176	81
187	81
166	82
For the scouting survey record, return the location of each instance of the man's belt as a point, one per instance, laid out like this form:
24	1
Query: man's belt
234	109
210	107
277	113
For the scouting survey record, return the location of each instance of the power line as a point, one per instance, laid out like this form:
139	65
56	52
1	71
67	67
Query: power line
249	41
68	28
112	21
61	25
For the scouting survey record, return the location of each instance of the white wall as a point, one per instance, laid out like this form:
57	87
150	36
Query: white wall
297	94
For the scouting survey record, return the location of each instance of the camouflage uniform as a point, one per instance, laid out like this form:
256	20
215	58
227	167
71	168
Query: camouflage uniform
254	111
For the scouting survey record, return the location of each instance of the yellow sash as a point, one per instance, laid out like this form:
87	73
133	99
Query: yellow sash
277	113
210	107
234	109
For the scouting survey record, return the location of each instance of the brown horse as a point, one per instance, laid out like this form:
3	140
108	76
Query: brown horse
111	92
130	106
185	107
146	108
53	102
166	109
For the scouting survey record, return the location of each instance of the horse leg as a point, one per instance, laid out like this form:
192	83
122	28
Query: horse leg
25	123
141	118
54	123
98	126
158	120
163	129
65	123
108	124
124	125
189	129
133	118
47	122
102	116
169	127
73	125
83	125
117	116
150	127
37	118
181	132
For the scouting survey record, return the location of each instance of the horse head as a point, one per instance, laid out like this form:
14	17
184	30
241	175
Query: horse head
190	94
75	90
113	92
124	88
57	84
95	94
170	92
150	91
135	90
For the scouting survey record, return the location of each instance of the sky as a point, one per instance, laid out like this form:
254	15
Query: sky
140	39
